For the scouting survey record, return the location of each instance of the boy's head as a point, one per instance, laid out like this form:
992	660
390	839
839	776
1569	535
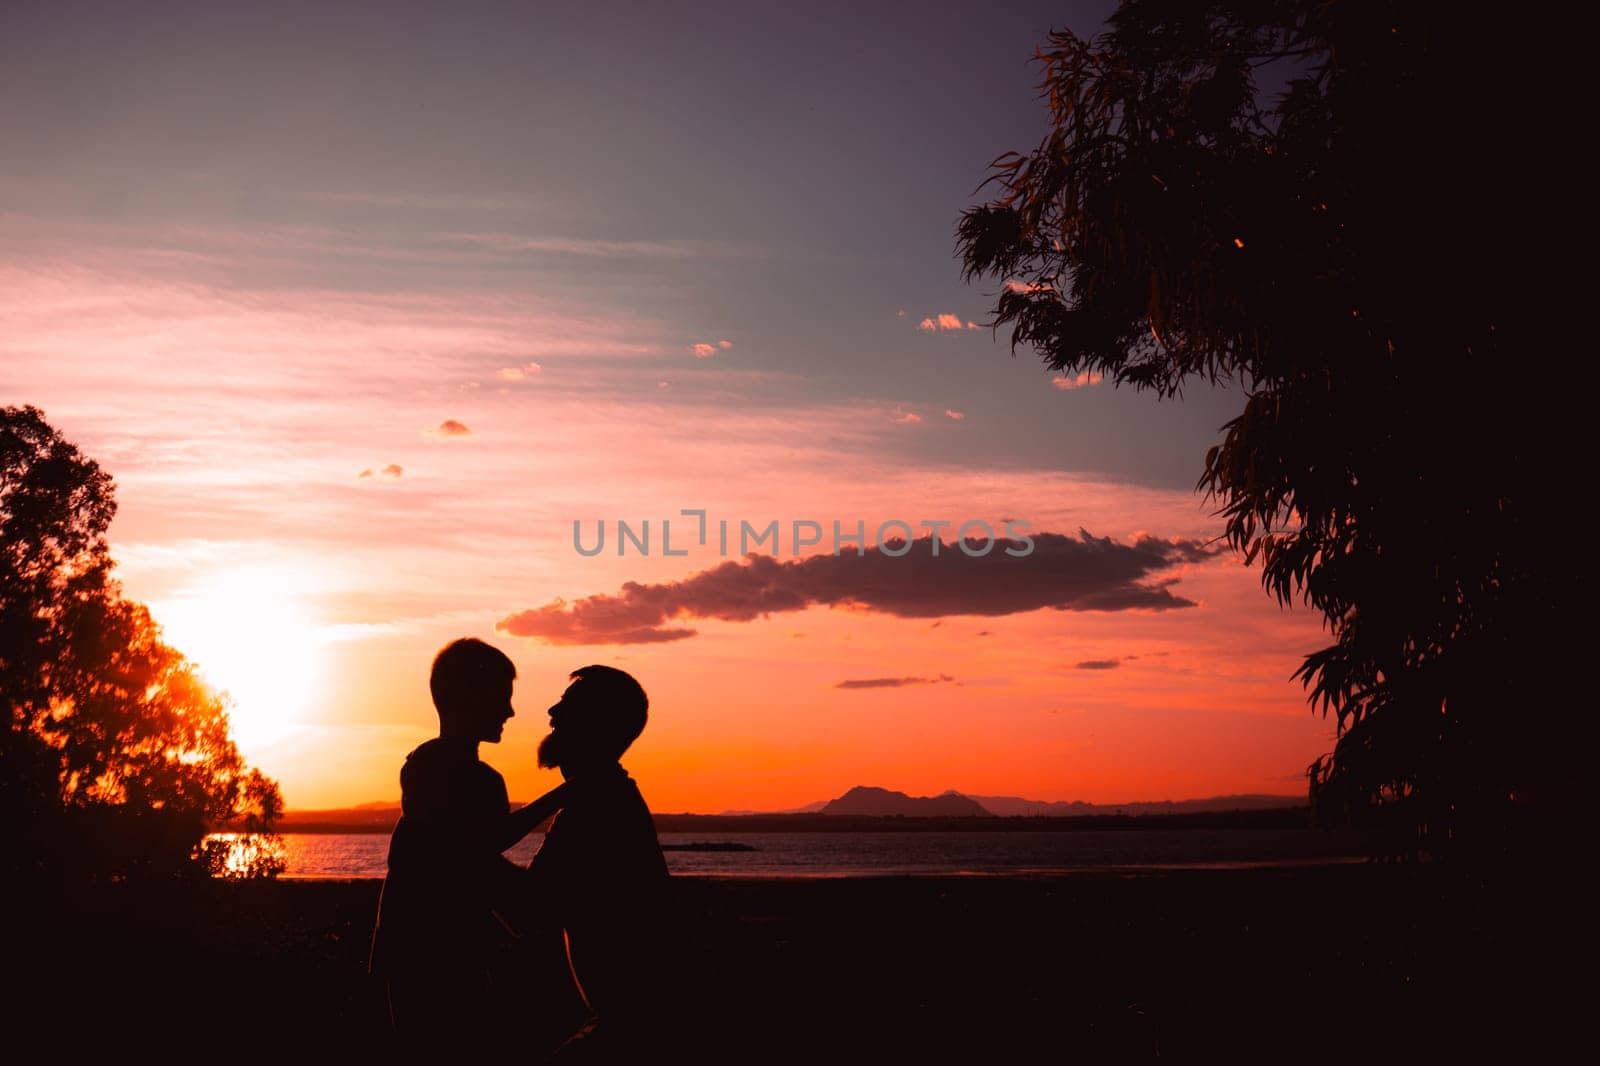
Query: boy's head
471	686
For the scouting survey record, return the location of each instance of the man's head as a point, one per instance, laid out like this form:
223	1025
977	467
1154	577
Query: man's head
599	715
471	686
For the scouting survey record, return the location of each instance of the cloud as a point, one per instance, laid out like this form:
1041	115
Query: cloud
955	416
410	203
582	246
1027	287
365	473
905	418
519	373
450	428
392	470
703	350
1063	573
893	682
724	345
1099	664
1082	381
945	322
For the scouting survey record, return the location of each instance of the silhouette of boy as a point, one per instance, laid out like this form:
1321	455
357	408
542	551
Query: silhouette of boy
438	932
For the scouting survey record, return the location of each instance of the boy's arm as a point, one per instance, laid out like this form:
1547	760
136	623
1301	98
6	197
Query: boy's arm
521	822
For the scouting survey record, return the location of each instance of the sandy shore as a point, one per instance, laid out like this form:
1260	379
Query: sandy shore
1282	964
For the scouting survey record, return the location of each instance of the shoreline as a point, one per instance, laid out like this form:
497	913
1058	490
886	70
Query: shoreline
1296	816
1039	873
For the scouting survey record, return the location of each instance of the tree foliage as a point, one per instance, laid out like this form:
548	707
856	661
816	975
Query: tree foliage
115	758
1324	202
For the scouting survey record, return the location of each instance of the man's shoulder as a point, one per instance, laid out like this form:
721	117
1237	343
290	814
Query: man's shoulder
614	789
601	800
605	835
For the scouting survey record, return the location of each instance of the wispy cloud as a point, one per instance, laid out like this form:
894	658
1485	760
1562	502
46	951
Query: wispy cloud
411	202
955	416
584	246
1084	380
893	682
519	373
1099	664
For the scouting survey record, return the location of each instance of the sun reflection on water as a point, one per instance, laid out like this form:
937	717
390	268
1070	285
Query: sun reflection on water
238	856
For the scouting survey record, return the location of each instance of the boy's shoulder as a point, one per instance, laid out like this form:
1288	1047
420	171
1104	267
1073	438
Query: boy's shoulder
438	759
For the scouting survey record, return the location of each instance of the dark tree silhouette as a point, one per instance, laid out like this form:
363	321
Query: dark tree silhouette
115	758
1324	202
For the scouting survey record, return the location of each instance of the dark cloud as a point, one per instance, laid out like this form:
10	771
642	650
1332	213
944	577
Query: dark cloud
893	682
1064	573
1099	664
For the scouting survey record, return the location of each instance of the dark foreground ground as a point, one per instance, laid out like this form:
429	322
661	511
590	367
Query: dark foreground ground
1391	963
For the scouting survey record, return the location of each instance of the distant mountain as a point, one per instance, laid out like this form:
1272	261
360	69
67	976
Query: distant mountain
1013	806
881	803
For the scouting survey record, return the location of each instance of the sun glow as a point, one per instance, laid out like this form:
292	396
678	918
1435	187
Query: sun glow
250	637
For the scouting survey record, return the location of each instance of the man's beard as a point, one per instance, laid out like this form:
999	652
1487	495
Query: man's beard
550	751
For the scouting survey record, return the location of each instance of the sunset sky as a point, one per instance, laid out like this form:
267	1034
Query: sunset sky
364	305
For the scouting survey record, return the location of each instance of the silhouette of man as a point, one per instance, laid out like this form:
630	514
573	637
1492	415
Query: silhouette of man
438	931
600	875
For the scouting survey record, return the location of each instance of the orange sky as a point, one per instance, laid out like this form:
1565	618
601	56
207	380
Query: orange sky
627	284
320	595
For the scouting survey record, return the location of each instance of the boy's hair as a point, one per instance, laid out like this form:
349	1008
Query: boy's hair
620	698
464	669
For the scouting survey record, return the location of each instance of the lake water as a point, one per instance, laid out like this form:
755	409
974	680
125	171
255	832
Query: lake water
354	855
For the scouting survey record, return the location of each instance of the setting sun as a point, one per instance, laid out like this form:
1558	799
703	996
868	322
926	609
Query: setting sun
251	638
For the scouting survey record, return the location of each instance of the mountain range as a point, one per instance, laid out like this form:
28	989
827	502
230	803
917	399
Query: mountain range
859	802
887	803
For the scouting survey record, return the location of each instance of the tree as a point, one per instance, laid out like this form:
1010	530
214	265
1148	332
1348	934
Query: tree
1326	203
115	758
